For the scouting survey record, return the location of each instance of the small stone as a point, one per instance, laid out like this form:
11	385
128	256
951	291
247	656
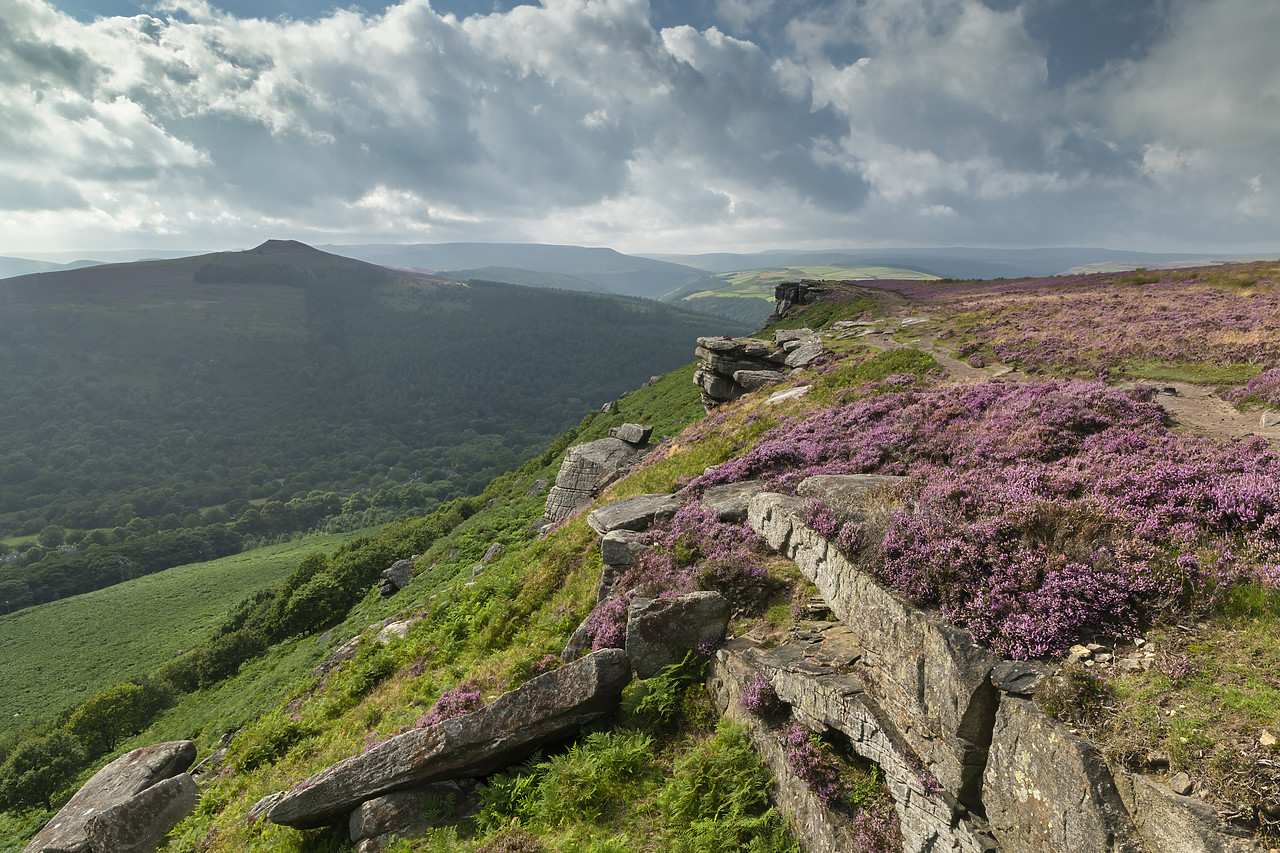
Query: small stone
1268	420
1078	653
1103	657
1181	784
1095	647
1267	739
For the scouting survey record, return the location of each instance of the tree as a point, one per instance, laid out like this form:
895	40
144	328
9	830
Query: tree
39	768
113	714
52	536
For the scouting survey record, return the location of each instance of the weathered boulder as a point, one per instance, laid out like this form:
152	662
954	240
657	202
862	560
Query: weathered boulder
1268	420
1048	790
931	679
139	823
1169	823
619	551
110	792
586	470
632	433
730	501
731	367
548	708
804	352
661	631
395	577
376	823
637	513
782	336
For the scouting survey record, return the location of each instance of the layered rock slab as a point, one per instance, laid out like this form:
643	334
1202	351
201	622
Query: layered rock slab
119	803
548	708
586	470
931	679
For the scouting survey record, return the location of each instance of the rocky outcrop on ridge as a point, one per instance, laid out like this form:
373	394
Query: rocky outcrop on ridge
731	367
790	293
128	806
588	468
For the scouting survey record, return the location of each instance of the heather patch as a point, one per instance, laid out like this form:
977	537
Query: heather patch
1216	326
1037	513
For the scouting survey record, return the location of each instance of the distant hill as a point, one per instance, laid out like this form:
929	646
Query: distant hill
166	387
954	262
747	295
10	267
528	278
613	271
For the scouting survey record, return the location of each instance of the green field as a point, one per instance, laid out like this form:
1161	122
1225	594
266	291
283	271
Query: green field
63	652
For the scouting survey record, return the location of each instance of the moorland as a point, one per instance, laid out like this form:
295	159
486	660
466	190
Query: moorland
1053	499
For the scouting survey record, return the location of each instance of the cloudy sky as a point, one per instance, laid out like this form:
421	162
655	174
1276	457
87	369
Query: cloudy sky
646	125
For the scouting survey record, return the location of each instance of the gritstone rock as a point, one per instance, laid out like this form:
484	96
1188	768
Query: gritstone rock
586	470
660	631
548	708
637	513
128	777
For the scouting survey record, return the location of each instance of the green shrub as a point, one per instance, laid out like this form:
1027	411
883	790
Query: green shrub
717	799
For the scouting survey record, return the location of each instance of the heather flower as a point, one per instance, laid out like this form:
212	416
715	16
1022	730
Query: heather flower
454	702
759	699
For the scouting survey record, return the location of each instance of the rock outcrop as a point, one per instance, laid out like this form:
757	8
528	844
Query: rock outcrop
731	367
661	631
588	468
548	708
916	695
376	823
128	806
395	577
790	293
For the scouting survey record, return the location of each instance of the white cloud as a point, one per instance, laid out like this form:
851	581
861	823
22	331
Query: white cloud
858	121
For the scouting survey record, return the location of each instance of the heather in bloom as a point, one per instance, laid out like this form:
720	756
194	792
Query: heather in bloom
759	699
1036	512
454	702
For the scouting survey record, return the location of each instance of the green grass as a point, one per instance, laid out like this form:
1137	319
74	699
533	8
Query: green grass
1200	373
63	652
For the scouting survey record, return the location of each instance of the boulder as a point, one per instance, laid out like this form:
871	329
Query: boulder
548	708
1048	790
730	500
395	577
637	513
586	470
731	367
139	823
107	795
1169	823
661	631
781	336
632	433
408	813
618	552
807	351
1268	420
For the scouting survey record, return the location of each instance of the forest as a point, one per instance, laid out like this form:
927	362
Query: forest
217	395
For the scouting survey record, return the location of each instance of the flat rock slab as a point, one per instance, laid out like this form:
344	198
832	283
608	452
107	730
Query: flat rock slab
730	501
632	433
753	379
661	631
114	785
806	352
845	495
638	513
548	708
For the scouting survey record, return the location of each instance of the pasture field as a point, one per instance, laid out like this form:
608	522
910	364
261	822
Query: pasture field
63	652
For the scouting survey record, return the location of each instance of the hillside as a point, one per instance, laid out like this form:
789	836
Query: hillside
161	390
1097	552
614	272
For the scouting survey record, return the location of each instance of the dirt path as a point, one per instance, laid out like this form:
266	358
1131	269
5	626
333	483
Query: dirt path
1195	407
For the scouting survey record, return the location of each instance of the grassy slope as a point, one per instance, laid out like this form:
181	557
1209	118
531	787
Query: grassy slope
63	652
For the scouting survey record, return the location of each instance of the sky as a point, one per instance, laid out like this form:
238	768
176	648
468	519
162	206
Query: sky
645	125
